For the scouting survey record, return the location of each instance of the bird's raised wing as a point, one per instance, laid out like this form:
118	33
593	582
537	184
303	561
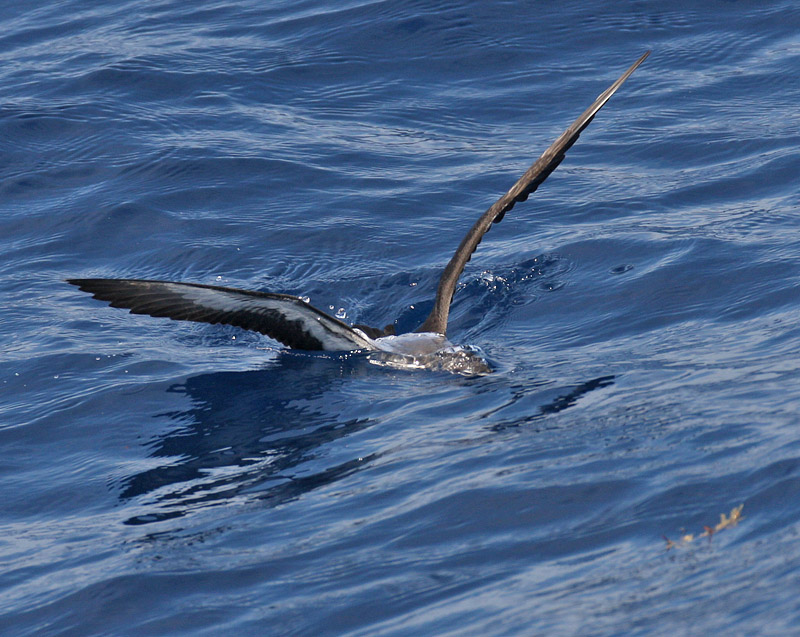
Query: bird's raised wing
530	181
285	318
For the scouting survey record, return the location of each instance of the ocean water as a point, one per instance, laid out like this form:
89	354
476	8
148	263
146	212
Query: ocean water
641	312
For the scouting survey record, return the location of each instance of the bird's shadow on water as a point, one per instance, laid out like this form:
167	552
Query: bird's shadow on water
262	434
516	412
249	433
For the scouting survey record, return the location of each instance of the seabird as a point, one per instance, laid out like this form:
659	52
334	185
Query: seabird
298	325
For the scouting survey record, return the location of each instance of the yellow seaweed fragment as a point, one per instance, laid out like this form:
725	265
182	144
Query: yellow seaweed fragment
725	522
731	520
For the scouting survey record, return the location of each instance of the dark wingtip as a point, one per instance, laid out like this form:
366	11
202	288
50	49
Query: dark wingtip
84	285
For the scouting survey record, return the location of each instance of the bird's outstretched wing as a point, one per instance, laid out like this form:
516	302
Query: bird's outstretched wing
285	318
530	181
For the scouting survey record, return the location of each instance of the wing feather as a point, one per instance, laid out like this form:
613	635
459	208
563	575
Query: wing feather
287	319
520	191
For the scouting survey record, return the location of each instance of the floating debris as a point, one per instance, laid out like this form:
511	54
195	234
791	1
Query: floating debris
725	522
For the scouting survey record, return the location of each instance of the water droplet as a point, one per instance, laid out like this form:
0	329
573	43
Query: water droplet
305	299
341	313
56	376
219	278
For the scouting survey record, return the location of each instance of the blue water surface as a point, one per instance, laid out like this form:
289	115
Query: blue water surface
641	312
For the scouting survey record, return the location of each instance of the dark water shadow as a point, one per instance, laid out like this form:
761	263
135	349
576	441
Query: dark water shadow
255	432
571	397
524	408
264	434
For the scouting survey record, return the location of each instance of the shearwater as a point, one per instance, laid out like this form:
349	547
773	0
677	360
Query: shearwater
298	325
